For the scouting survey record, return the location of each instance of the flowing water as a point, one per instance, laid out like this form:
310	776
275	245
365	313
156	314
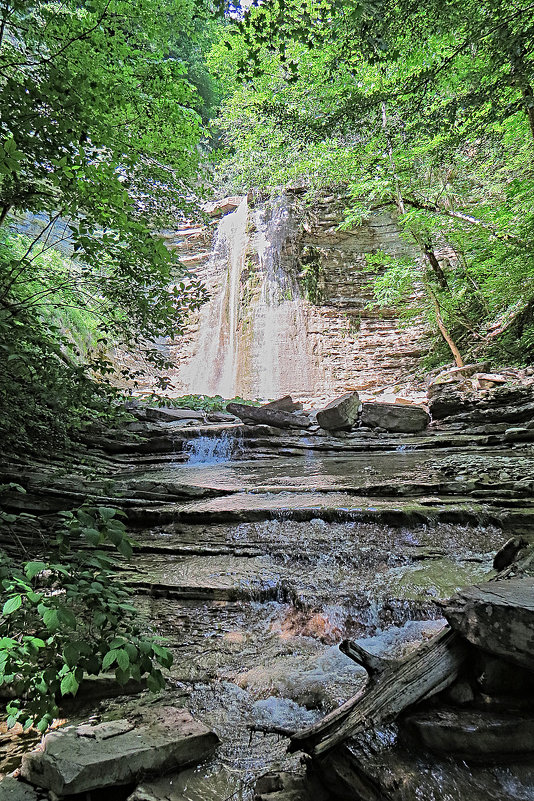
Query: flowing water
207	451
253	338
255	609
213	369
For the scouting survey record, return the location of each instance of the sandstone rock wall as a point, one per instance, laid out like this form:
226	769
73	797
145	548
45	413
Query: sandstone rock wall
366	349
347	345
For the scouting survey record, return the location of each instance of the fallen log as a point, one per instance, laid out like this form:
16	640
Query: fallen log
371	662
391	689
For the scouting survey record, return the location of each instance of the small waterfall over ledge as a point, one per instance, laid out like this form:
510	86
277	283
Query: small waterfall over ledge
252	339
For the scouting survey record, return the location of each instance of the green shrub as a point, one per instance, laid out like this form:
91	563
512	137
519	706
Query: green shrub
68	616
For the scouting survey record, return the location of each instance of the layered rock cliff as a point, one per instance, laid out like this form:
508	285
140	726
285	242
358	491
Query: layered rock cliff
290	308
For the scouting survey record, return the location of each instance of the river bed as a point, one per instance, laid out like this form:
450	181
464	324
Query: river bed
255	610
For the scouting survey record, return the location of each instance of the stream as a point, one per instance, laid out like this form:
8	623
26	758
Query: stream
254	608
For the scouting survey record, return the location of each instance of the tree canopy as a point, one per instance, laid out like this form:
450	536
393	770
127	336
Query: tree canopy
101	125
427	108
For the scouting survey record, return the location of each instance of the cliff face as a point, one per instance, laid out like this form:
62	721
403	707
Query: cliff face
289	305
363	348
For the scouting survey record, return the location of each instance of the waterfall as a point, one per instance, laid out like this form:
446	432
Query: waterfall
213	369
281	359
252	338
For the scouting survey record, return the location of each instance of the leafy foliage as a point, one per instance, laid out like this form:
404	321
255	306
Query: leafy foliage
425	109
100	132
68	616
203	403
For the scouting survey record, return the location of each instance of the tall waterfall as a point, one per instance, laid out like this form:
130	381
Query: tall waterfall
252	339
281	361
213	369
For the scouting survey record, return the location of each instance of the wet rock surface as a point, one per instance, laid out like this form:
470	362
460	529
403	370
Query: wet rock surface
13	790
480	735
258	558
498	617
381	768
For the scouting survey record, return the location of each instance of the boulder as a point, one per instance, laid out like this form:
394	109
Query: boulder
261	415
340	413
488	380
84	758
207	784
167	414
395	417
495	677
221	207
13	790
446	399
220	417
460	373
497	617
285	404
475	734
518	434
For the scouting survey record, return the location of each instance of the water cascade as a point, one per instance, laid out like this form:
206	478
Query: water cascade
252	339
210	450
213	369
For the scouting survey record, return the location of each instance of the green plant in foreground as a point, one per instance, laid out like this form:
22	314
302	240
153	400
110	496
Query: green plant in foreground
70	616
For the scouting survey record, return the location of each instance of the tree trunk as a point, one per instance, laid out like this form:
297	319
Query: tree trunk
528	101
434	264
445	334
4	211
425	672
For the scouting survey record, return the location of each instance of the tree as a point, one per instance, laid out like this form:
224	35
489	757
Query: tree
425	108
99	136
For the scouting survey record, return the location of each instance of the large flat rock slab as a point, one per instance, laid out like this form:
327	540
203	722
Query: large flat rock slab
265	415
84	758
215	578
384	770
497	617
482	735
395	417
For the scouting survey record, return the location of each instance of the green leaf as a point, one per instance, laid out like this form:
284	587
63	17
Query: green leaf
69	685
12	605
153	683
67	617
125	549
51	619
122	675
106	513
32	569
92	535
109	658
71	654
123	660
